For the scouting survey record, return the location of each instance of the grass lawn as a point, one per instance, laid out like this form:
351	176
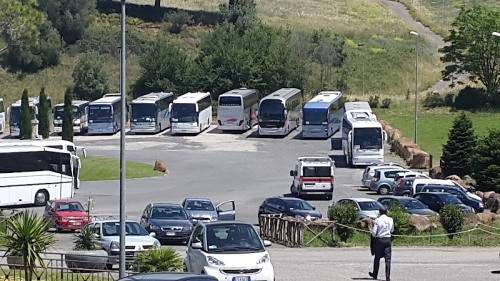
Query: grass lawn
434	125
97	168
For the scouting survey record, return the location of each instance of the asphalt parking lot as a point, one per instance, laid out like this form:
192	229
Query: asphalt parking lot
247	169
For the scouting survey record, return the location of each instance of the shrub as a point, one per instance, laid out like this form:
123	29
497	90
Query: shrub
43	115
91	80
386	103
67	125
401	219
452	218
177	20
373	101
25	127
86	240
471	98
158	260
345	214
449	99
433	100
485	162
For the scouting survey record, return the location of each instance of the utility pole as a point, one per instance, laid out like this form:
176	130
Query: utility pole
123	170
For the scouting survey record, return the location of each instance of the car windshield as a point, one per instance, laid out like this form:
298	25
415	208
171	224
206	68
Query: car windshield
199	205
70	207
168	213
235	238
412	205
131	229
369	206
298	205
449	199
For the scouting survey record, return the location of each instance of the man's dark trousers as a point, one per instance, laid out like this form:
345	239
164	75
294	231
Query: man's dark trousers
383	249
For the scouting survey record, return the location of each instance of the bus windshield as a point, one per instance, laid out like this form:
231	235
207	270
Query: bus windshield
230	101
271	111
100	113
15	114
367	138
143	112
59	112
315	117
184	113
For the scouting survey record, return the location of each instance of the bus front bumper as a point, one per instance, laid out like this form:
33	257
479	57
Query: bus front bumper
367	160
271	131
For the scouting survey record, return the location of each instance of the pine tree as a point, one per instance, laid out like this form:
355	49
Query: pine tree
458	150
43	115
486	162
67	125
25	129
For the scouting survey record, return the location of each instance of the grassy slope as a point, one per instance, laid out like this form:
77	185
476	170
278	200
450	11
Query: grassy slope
96	168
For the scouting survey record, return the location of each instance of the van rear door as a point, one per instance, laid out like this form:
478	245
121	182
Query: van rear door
317	178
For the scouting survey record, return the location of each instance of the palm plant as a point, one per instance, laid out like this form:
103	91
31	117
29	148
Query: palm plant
28	238
86	240
158	260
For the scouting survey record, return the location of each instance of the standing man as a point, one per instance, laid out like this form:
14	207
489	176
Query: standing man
383	226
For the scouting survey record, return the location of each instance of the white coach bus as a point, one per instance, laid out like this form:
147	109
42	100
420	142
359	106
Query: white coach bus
105	115
237	109
80	116
279	112
32	175
191	113
362	138
2	116
14	112
357	105
322	115
150	113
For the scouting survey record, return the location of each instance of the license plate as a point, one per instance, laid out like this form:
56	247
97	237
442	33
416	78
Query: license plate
241	278
77	223
170	233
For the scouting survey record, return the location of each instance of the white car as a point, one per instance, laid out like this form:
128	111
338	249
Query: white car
229	251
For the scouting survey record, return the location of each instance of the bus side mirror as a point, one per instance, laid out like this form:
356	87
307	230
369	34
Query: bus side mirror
170	107
8	111
349	136
385	135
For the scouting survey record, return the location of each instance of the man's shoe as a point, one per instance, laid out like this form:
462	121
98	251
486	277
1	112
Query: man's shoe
371	275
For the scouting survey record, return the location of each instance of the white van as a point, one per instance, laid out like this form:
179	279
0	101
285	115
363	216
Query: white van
418	184
369	172
403	175
313	175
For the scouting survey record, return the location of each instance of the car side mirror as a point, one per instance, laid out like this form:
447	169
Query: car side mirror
152	234
267	243
144	217
197	246
96	235
314	208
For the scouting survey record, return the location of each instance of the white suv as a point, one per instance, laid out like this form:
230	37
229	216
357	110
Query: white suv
313	176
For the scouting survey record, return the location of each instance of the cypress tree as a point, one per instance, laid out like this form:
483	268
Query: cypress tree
25	129
67	125
43	115
458	150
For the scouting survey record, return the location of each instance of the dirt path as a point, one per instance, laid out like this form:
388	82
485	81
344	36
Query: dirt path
400	11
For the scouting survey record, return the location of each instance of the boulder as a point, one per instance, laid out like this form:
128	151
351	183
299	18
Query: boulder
471	220
365	223
487	195
481	195
495	217
493	204
494	195
436	172
469	181
160	166
82	260
399	144
420	160
383	123
422	223
485	217
394	134
453	178
409	149
387	128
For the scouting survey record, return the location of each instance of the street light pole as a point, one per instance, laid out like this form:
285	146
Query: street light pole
123	173
361	45
416	83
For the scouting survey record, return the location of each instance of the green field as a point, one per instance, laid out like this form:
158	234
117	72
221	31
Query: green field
434	125
97	168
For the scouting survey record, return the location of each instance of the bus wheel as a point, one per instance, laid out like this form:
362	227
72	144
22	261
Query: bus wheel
41	198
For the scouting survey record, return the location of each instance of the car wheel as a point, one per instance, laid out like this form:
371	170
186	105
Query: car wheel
383	190
292	192
185	269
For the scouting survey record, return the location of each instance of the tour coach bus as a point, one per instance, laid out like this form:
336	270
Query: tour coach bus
191	113
14	112
80	116
105	115
237	109
322	115
32	175
150	113
279	112
2	116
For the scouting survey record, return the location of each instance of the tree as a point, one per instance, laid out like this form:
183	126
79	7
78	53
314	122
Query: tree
25	127
90	78
43	115
240	14
458	149
67	125
19	21
164	66
486	162
473	50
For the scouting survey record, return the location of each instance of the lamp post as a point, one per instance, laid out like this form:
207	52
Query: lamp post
123	174
361	45
416	82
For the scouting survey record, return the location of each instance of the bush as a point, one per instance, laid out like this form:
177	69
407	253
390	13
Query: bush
86	240
401	219
345	214
386	103
471	98
91	80
177	20
33	58
25	127
158	260
449	99
433	100
373	101
485	162
452	218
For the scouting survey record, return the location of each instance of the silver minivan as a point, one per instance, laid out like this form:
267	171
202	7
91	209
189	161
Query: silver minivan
369	172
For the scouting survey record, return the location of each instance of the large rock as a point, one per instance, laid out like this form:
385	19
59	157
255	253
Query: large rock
485	217
481	195
420	160
394	134
422	223
471	220
160	166
494	195
487	195
365	223
84	260
436	172
383	123
453	178
409	149
493	204
399	145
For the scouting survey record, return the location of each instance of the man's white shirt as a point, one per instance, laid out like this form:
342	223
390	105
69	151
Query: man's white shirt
383	226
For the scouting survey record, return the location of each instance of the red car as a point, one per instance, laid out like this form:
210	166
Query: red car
66	214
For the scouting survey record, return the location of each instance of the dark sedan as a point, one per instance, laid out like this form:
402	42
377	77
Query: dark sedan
290	207
168	221
409	205
436	200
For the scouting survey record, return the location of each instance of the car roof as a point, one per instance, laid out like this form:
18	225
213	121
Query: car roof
396	197
64	200
215	223
197	199
437	193
359	199
288	198
118	221
167	276
166	205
